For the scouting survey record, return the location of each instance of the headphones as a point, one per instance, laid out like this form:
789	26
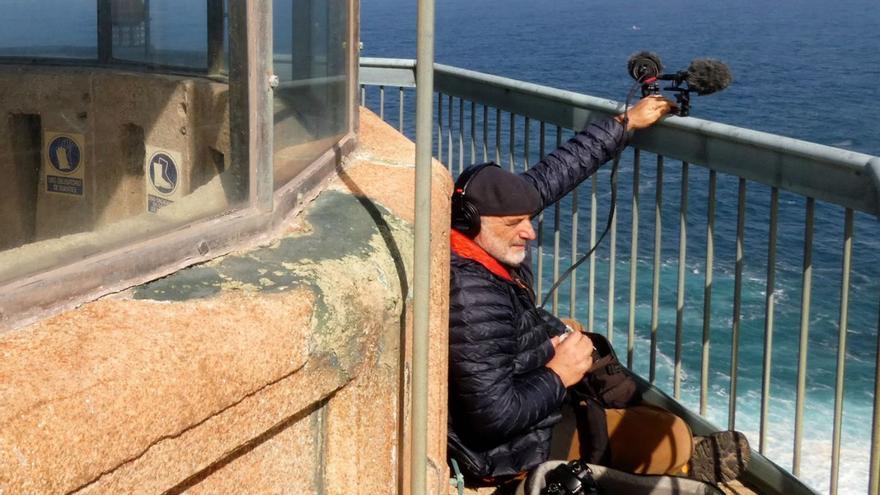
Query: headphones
465	215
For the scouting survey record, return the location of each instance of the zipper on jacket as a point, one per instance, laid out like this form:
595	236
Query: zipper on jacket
522	284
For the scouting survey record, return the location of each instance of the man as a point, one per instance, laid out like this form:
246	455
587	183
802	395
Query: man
509	366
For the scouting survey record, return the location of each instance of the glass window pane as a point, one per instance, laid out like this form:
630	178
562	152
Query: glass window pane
311	55
162	32
49	28
94	159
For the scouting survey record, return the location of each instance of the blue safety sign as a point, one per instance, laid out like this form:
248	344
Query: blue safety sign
163	173
64	154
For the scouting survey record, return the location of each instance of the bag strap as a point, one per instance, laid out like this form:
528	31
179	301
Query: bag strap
458	480
592	432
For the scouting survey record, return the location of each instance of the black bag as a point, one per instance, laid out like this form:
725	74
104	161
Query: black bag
592	432
608	382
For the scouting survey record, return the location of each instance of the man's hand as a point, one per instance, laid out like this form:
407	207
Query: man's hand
647	111
574	356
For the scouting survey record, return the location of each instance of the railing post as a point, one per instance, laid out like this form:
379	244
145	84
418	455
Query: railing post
460	135
874	463
557	233
770	305
655	289
498	136
473	132
572	290
841	349
806	295
633	261
422	254
400	112
591	294
612	266
707	294
450	150
540	232
737	303
682	275
439	123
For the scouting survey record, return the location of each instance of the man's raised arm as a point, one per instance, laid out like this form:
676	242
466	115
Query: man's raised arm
580	157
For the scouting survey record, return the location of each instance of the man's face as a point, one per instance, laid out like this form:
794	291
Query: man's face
506	238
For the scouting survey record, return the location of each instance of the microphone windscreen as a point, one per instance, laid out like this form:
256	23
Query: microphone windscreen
643	65
706	76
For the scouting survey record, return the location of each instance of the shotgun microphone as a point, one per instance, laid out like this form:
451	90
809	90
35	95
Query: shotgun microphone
707	76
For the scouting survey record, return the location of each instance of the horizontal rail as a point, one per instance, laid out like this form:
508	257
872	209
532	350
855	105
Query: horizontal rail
841	177
388	72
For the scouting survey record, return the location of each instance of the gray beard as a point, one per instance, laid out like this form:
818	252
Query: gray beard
499	250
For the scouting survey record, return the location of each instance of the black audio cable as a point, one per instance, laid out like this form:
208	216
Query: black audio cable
613	183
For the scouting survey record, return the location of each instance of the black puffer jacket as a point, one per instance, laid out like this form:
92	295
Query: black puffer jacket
503	401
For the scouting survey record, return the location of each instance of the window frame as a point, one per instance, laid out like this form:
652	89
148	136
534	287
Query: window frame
44	293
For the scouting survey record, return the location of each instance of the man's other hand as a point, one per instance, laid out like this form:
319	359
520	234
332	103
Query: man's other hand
647	112
574	356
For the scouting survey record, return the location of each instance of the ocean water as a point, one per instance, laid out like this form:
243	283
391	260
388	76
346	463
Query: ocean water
802	68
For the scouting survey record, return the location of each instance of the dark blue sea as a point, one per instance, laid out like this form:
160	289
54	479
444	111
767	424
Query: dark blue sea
802	68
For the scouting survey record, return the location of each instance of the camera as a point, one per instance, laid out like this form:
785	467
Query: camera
572	478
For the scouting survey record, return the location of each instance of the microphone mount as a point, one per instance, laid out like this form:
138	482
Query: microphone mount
678	85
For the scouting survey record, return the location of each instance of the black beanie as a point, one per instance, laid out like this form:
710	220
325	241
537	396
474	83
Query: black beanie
497	192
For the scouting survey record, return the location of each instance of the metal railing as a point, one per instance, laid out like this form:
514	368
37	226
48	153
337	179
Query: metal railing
780	169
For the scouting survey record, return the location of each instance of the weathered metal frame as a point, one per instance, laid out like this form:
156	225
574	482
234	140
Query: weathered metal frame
27	299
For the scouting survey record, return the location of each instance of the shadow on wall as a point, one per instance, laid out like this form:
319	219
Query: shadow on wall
399	268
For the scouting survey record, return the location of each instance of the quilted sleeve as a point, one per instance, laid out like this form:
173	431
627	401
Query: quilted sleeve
579	158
